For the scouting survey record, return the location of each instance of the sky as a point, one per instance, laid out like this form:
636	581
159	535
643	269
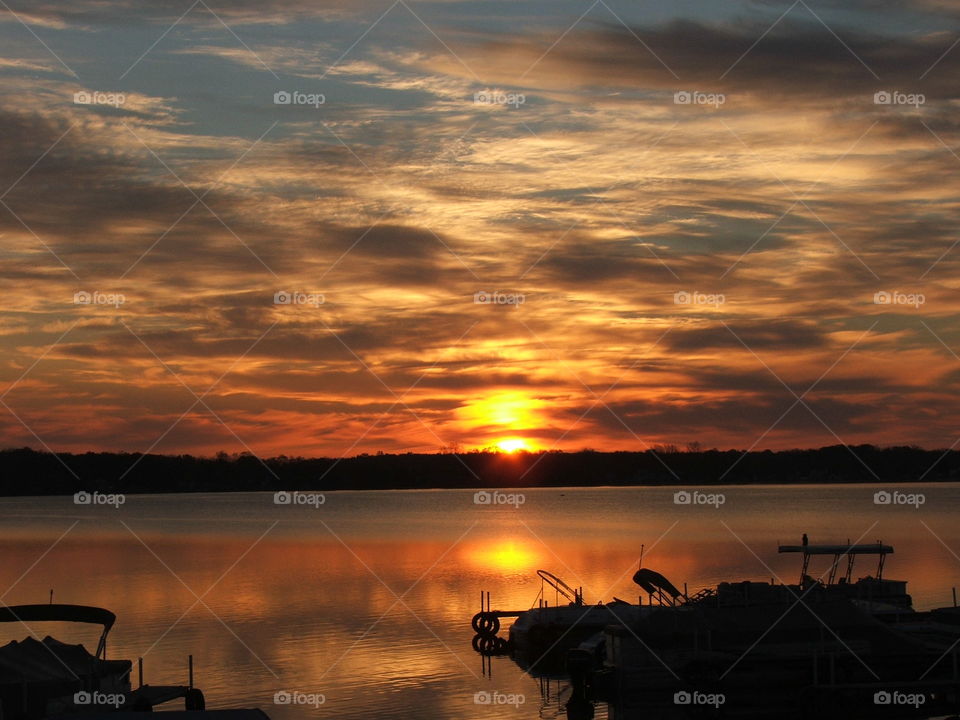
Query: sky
330	228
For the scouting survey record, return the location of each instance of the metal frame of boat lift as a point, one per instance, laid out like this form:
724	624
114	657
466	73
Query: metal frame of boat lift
851	551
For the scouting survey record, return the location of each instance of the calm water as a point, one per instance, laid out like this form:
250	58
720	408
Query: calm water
366	599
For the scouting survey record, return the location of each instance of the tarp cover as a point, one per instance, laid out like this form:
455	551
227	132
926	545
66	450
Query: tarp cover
31	660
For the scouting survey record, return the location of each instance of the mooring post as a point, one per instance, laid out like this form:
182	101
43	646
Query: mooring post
954	596
190	662
140	671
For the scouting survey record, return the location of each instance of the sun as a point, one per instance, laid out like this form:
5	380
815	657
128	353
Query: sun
512	445
500	420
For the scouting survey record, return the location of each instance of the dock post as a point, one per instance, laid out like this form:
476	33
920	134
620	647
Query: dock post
190	661
954	596
140	671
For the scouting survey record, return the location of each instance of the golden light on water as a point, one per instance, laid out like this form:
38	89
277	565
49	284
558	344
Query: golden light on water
508	556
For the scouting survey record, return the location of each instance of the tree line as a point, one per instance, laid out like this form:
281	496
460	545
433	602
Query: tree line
25	471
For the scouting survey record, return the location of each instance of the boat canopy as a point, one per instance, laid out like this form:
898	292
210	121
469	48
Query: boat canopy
870	549
838	551
62	613
58	613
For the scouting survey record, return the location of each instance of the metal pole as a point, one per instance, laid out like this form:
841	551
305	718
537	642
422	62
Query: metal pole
140	671
191	670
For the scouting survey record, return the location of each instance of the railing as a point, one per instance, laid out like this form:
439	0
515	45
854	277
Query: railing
561	588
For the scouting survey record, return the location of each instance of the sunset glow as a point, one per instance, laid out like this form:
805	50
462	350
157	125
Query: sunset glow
505	556
512	445
648	225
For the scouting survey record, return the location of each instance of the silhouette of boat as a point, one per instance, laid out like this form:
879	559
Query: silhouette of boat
49	678
825	645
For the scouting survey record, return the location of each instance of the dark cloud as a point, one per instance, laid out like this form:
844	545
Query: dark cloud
798	59
760	336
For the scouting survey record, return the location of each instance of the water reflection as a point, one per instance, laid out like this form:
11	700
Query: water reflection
368	598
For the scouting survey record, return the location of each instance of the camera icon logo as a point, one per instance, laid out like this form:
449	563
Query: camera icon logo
482	498
282	498
482	698
82	498
683	97
82	297
282	297
882	97
682	497
682	698
681	297
82	98
481	297
882	698
82	698
282	97
882	497
882	297
282	697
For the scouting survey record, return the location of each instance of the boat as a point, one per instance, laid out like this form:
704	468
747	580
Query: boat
876	594
48	678
810	647
569	621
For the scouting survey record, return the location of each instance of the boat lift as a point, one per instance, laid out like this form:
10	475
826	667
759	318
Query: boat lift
486	623
851	551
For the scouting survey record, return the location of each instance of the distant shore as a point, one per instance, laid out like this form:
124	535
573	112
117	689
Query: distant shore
28	472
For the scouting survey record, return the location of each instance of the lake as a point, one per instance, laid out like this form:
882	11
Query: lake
359	606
